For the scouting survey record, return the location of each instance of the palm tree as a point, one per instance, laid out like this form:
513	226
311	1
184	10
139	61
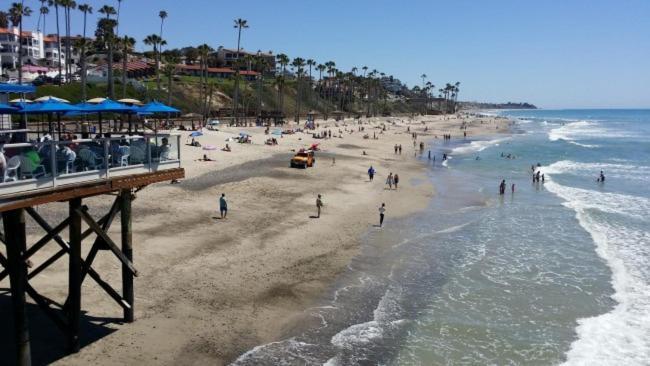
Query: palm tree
155	42
67	5
110	40
56	3
86	9
117	18
42	11
299	64
162	14
127	44
456	91
171	62
320	69
279	83
261	66
283	60
239	24
16	14
204	51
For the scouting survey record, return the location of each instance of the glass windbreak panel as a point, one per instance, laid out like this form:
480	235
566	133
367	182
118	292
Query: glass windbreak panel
89	155
164	147
25	161
127	151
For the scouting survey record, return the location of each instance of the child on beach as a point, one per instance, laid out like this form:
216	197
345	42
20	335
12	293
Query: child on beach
319	204
223	206
396	180
382	211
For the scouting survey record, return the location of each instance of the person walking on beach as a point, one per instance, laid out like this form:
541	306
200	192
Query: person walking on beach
396	180
512	188
223	206
502	187
396	149
319	204
429	154
382	212
389	181
371	173
400	149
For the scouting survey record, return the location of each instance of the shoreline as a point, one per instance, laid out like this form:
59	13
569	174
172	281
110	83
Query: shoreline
211	290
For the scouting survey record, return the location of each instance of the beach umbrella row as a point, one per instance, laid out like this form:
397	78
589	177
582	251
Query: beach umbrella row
58	106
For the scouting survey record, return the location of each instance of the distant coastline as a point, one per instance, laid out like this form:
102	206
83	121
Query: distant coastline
508	105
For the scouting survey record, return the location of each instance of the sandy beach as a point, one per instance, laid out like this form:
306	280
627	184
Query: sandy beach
211	289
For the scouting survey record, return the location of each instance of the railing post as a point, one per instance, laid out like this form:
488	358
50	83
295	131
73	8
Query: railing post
107	156
149	162
53	166
178	148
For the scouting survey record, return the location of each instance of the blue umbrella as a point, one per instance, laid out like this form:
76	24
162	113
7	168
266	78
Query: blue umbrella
107	106
156	107
196	134
48	107
5	108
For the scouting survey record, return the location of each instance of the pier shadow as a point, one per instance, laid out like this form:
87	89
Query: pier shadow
47	341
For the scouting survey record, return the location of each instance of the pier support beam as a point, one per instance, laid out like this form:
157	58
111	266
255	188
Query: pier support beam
74	281
127	248
14	228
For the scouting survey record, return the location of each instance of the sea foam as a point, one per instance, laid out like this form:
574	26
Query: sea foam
621	336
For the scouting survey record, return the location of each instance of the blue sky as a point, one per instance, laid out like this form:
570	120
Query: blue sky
554	53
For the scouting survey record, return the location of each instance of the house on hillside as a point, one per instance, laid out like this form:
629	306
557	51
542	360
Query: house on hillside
214	72
228	57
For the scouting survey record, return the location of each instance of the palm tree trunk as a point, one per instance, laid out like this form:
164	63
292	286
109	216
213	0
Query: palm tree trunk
111	85
20	50
169	88
83	63
125	56
58	40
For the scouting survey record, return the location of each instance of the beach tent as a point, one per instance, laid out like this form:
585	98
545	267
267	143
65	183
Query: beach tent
196	134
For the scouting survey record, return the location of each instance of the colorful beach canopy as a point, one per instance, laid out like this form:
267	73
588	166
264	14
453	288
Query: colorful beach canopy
196	134
156	107
17	88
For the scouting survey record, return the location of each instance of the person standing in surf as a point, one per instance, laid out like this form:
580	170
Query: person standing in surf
502	187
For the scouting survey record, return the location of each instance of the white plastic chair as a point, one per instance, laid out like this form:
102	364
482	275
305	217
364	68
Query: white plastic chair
125	152
12	167
29	170
89	159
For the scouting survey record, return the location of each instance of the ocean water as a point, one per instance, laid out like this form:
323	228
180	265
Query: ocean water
555	273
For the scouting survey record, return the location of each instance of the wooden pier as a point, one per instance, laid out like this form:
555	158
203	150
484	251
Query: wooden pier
16	208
